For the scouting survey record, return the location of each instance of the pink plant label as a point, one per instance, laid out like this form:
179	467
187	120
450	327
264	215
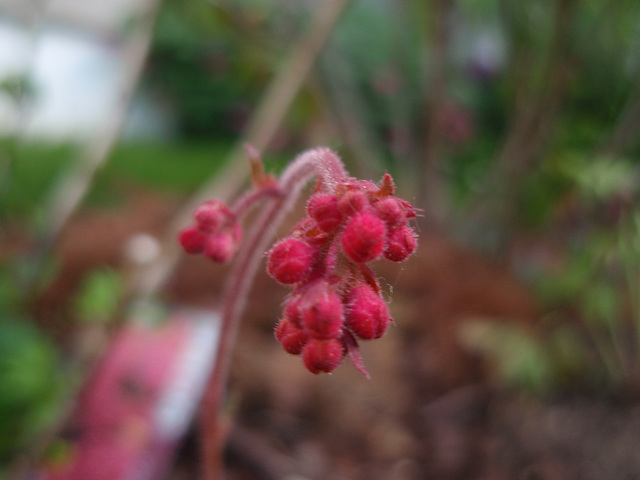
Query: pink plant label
140	401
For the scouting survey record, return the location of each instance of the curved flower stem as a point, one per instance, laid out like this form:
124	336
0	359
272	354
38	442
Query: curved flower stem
330	170
249	199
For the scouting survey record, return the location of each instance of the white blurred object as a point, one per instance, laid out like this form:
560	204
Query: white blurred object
142	249
99	17
71	52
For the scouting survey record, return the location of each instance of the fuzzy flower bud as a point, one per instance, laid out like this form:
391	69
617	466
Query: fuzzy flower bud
220	247
324	210
291	260
322	312
322	355
367	314
292	310
292	338
352	202
192	240
211	215
363	238
400	245
391	211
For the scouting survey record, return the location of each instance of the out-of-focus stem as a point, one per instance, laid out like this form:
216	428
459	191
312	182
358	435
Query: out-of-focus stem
329	168
250	199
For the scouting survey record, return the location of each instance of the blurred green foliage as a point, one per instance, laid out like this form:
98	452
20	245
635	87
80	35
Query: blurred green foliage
99	296
590	337
212	61
33	169
30	384
176	167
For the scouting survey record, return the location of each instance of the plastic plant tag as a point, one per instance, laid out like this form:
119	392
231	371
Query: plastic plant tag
138	404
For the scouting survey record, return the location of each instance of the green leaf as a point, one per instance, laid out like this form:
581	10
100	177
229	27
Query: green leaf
30	383
99	296
601	304
519	357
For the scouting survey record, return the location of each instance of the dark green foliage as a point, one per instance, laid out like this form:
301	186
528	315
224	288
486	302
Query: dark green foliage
30	384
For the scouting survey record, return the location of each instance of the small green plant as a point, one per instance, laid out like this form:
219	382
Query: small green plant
590	335
99	296
30	385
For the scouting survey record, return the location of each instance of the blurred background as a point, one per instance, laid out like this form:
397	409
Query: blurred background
513	125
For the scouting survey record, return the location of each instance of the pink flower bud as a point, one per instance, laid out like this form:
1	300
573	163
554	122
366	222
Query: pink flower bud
211	215
192	240
392	212
220	247
401	244
363	238
368	186
291	260
281	329
352	202
367	314
322	312
324	210
409	209
292	338
322	355
293	311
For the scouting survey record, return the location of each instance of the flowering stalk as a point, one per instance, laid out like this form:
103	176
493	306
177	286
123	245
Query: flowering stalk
336	298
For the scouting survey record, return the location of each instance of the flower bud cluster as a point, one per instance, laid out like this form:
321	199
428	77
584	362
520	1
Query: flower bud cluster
216	232
336	299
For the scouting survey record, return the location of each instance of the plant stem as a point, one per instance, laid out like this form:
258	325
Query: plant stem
329	168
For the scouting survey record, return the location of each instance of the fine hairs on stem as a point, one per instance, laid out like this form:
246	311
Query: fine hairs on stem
336	298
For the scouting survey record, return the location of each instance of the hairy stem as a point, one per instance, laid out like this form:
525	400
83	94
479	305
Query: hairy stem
329	168
242	206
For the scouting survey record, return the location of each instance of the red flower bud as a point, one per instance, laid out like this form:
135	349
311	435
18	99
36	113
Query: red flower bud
401	244
281	329
211	215
292	338
292	310
409	209
392	212
367	314
322	312
220	247
352	202
368	186
322	355
291	260
192	240
324	210
363	238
